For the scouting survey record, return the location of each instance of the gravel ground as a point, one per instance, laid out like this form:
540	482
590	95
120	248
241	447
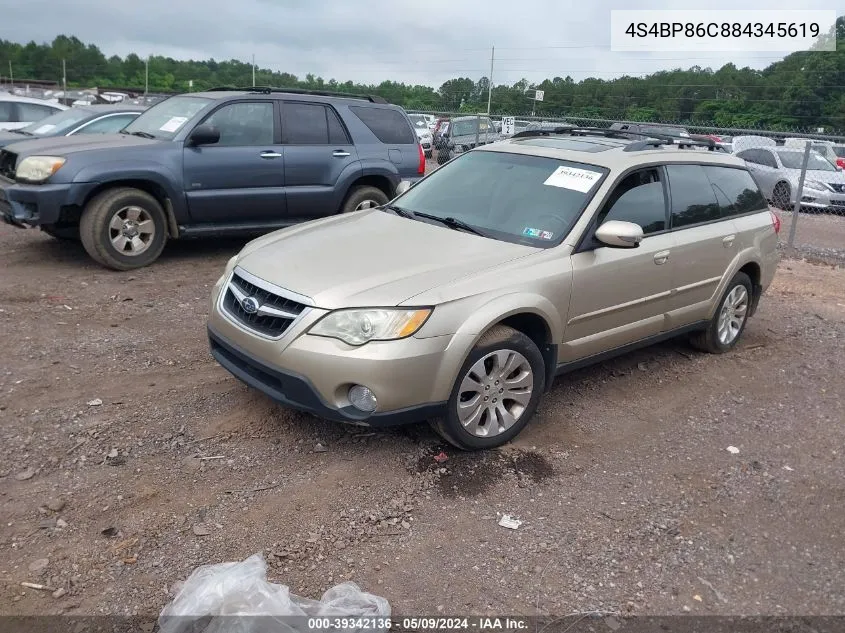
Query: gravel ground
128	458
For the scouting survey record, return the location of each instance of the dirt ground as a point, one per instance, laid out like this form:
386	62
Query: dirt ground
128	457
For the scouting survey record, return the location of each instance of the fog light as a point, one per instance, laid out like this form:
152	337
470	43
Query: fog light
362	398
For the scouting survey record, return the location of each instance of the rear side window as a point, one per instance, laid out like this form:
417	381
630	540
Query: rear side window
736	191
693	198
34	112
389	126
312	124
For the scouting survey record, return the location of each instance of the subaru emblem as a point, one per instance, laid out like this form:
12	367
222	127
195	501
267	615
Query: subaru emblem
250	305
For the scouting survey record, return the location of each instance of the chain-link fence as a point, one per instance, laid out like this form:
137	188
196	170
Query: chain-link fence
804	173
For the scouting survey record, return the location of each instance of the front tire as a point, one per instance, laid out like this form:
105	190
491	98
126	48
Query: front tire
728	323
782	196
123	228
364	197
496	392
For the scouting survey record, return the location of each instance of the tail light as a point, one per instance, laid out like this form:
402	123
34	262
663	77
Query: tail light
775	221
421	168
841	162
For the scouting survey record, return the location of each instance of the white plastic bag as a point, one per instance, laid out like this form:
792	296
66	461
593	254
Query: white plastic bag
237	598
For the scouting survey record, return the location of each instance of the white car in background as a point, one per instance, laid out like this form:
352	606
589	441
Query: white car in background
17	112
777	170
423	131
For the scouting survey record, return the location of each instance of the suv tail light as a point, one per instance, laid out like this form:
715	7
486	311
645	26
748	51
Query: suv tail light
775	221
840	162
421	168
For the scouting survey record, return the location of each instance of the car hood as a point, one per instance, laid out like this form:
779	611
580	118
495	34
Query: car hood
7	138
814	174
67	145
371	258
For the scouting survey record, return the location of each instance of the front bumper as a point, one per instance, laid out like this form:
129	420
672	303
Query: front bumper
32	205
299	392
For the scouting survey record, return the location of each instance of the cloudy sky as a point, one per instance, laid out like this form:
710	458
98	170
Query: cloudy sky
425	41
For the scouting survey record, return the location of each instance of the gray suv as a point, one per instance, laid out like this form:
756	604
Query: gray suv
461	300
464	133
211	163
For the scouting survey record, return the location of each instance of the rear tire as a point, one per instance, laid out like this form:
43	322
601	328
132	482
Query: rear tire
364	197
63	233
443	155
728	323
505	365
123	228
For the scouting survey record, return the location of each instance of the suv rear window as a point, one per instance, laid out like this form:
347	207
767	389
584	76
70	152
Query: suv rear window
390	126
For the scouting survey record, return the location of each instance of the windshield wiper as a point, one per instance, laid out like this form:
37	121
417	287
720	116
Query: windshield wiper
405	213
24	132
141	134
452	223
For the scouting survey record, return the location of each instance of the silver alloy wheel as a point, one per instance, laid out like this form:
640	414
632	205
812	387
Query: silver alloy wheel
495	392
366	204
131	230
733	314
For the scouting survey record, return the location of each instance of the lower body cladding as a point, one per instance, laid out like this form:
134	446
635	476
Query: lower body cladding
391	382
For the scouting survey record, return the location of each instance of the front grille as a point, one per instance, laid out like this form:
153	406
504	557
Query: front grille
265	320
7	164
838	187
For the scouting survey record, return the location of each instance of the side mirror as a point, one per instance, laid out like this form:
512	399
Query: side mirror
204	135
620	234
402	187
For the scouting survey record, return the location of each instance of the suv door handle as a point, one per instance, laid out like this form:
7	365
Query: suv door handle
339	153
728	241
661	258
270	155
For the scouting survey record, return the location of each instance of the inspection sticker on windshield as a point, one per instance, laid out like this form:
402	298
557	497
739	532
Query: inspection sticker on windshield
173	124
543	235
573	178
44	129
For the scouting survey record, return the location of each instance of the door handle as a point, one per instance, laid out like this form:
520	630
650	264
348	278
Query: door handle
728	241
339	153
270	155
661	258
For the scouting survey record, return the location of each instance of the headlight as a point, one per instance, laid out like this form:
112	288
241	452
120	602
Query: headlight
359	326
37	169
817	185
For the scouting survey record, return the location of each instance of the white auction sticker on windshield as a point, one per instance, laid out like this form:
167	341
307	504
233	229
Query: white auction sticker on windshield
173	124
44	129
573	178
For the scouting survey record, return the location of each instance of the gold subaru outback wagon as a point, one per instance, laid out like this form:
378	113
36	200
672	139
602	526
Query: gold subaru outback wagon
461	300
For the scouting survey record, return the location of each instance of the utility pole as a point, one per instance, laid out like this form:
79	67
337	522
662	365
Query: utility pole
146	75
11	76
490	81
253	70
64	78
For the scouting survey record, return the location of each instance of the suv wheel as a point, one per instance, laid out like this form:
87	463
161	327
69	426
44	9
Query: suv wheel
728	323
364	197
123	228
68	233
496	392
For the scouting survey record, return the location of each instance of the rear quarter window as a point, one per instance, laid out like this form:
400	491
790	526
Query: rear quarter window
736	191
389	126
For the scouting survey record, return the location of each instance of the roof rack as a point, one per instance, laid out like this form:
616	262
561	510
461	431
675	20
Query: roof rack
651	140
266	90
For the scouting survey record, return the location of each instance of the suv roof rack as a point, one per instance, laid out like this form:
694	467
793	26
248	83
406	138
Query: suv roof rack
266	90
649	140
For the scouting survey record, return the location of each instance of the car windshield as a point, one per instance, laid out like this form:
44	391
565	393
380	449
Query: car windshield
464	128
794	160
418	120
166	118
518	198
58	123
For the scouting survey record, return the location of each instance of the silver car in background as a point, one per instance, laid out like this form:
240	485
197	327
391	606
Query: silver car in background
777	170
421	127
